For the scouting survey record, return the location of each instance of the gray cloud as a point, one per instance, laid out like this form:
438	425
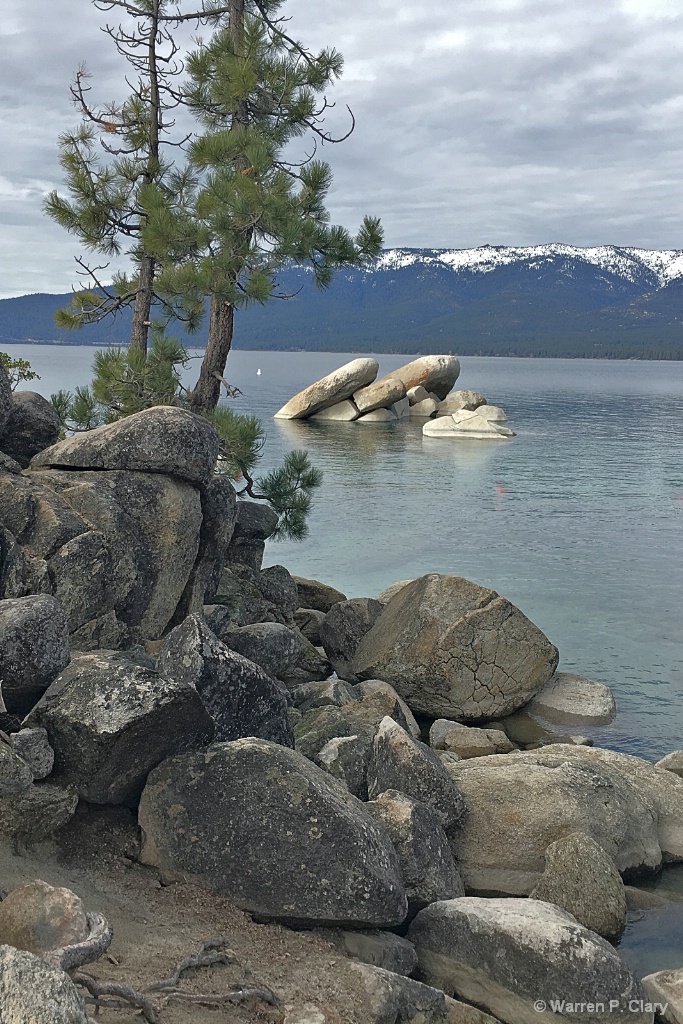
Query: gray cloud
499	121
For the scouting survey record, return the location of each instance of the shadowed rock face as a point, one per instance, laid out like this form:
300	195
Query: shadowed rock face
453	649
331	389
259	823
157	440
34	648
32	425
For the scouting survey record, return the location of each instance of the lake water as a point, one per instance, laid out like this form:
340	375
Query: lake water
578	520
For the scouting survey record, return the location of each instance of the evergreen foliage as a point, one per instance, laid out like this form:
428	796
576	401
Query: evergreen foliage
18	370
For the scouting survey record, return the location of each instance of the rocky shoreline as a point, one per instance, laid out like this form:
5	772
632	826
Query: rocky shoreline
360	767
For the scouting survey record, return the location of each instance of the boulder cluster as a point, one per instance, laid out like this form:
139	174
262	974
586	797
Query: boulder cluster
353	765
421	389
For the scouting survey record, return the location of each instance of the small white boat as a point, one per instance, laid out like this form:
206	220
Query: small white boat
258	372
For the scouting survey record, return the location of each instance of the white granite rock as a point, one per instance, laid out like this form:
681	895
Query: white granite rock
343	412
571	698
330	390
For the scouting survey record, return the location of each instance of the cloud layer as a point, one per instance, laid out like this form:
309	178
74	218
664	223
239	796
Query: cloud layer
498	121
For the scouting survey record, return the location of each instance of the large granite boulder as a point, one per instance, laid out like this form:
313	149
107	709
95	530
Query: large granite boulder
437	374
36	813
270	645
473	424
34	648
344	627
151	524
427	867
81	576
40	519
390	998
665	990
520	803
456	650
240	697
110	721
458	400
525	961
259	823
333	388
581	878
466	740
572	699
399	762
162	439
33	991
316	595
32	425
380	395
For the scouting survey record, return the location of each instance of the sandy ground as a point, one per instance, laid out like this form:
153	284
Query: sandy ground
156	926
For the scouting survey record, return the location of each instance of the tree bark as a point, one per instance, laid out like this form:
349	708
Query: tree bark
139	331
208	388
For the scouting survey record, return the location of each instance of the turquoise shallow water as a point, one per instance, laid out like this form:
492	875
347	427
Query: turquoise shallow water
578	520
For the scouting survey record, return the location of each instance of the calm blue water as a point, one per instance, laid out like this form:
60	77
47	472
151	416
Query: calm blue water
578	520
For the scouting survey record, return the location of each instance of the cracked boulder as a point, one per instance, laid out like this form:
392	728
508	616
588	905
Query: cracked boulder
258	823
453	649
240	697
316	595
110	721
516	957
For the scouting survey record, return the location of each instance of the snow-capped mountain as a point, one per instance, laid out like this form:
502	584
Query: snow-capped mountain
544	300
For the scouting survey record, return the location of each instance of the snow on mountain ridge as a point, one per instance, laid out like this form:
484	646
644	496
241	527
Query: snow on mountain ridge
626	262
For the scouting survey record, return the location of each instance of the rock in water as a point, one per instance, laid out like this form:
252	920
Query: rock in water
380	395
261	824
331	389
568	698
32	992
516	958
240	697
453	649
157	440
111	721
436	374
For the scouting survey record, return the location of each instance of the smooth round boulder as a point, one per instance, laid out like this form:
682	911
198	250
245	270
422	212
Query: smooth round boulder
262	825
380	395
330	390
453	649
436	374
39	917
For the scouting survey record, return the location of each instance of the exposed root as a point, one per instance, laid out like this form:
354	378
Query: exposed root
125	996
67	958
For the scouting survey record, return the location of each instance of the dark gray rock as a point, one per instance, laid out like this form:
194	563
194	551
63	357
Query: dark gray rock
240	697
242	599
219	513
316	595
308	620
345	625
258	823
347	759
271	645
254	524
32	425
321	694
37	812
111	721
311	666
5	397
15	774
379	949
361	717
81	576
20	574
400	762
33	747
427	867
279	591
515	957
34	648
105	633
162	439
456	650
33	991
9	465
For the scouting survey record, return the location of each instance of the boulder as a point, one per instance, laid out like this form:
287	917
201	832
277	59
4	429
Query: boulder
105	633
240	697
308	621
417	394
458	400
345	625
524	961
492	413
162	439
150	567
110	721
673	762
664	990
81	576
378	416
342	412
270	645
40	519
347	759
393	999
436	374
260	824
466	740
254	523
520	803
34	648
39	917
381	395
427	867
20	573
361	718
453	649
5	397
15	774
313	594
279	592
469	424
311	666
237	601
33	747
401	409
379	949
322	694
386	595
424	409
568	698
406	718
34	814
32	425
404	764
581	878
33	991
219	514
330	390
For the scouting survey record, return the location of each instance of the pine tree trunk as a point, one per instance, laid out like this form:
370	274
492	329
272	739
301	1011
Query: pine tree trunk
139	331
208	388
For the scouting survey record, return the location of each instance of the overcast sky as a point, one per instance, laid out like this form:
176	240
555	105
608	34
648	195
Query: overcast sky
509	122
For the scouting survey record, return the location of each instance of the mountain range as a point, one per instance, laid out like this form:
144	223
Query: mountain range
546	300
